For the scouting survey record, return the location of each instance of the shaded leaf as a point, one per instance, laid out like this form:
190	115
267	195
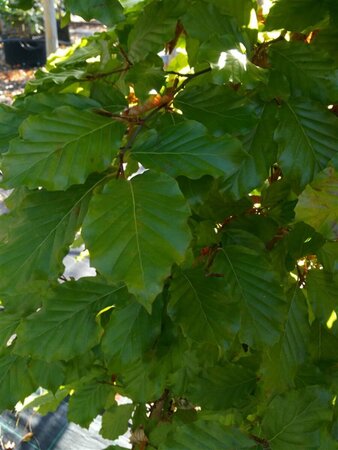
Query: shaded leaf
322	288
304	414
130	332
186	149
206	435
219	108
109	12
250	280
15	381
223	387
67	322
61	148
129	234
200	306
295	16
309	71
318	204
115	420
47	375
40	231
284	359
8	325
307	137
259	144
88	401
150	35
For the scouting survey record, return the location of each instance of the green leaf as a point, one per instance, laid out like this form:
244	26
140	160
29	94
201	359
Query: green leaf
328	256
186	149
283	360
310	72
47	375
206	435
203	19
67	321
109	12
10	119
249	279
61	148
307	136
15	381
115	420
139	382
8	325
322	293
318	204
39	234
138	244
294	420
302	240
150	35
88	401
295	16
202	309
130	332
259	144
219	108
223	387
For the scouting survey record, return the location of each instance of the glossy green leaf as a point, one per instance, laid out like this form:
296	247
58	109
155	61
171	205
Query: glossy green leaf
309	71
138	244
186	149
219	108
249	280
61	148
294	420
67	321
318	204
307	136
207	436
130	332
295	16
88	401
202	309
115	420
15	381
39	234
109	12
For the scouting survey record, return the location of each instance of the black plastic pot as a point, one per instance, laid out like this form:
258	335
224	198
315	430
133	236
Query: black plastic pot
63	33
22	52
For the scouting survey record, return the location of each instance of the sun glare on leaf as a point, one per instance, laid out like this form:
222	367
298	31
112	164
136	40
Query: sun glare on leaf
331	320
222	60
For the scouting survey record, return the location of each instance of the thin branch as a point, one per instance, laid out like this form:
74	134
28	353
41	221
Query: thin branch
189	75
263	442
124	55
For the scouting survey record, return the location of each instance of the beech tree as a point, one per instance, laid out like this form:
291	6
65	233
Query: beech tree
191	147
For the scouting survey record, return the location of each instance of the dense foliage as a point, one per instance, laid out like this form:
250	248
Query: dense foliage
213	303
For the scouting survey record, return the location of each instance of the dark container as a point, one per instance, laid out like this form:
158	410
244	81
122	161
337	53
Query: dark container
24	52
63	33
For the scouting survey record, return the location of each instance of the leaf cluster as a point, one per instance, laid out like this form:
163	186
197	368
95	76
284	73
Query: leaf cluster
191	148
